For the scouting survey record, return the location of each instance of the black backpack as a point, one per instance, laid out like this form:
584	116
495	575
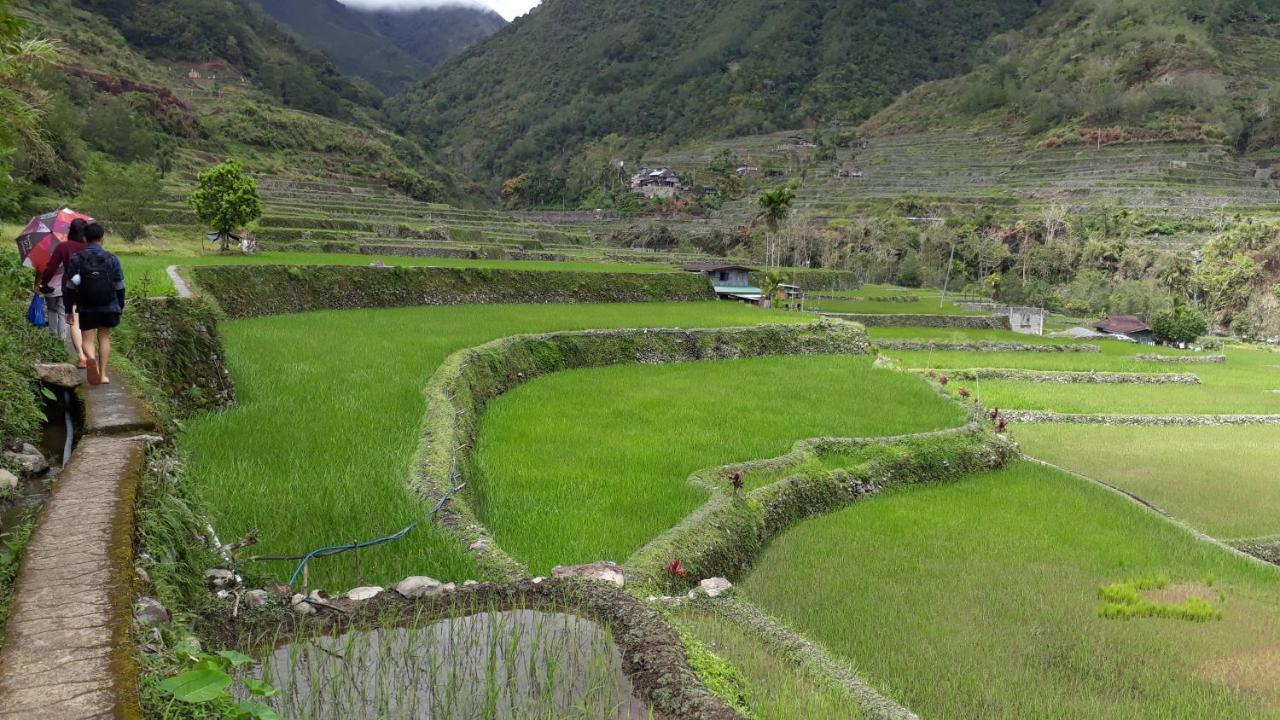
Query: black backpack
97	287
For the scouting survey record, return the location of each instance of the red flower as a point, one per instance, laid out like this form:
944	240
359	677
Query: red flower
735	479
944	380
964	392
676	569
1001	426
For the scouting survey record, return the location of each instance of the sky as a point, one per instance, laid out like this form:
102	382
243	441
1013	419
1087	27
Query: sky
509	9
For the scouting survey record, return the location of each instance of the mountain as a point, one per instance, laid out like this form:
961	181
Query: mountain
434	34
572	72
389	48
1100	71
179	84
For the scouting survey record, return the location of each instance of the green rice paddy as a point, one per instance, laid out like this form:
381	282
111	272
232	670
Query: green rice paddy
318	449
588	465
1225	481
979	599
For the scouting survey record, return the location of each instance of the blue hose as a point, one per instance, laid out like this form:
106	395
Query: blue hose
338	549
71	432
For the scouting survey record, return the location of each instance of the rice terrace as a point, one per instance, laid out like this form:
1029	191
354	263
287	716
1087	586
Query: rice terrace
568	360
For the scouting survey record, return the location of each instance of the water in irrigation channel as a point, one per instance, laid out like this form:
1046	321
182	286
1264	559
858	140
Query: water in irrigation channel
508	665
32	492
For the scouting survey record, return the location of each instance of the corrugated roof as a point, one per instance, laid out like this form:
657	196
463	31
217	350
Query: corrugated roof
713	267
1123	325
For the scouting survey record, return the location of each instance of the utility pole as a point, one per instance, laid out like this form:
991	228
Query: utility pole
947	282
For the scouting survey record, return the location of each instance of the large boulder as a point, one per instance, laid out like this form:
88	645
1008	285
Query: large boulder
220	579
149	612
364	593
63	375
28	458
715	586
603	571
8	480
419	586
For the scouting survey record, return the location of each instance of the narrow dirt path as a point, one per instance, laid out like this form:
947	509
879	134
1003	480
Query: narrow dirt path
179	283
68	652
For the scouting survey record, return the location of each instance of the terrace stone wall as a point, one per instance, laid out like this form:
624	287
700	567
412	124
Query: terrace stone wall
976	322
1183	359
175	346
1069	377
983	346
1047	416
256	290
468	379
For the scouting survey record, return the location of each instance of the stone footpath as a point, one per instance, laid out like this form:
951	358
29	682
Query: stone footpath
69	651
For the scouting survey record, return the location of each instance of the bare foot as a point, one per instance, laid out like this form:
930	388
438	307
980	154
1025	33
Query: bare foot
106	380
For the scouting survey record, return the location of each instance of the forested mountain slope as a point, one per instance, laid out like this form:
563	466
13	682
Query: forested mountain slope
1120	70
575	71
176	85
389	48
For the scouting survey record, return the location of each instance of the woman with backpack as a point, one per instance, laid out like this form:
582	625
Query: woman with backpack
96	288
52	283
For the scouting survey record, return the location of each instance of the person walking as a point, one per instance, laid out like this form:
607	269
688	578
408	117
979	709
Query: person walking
63	319
96	288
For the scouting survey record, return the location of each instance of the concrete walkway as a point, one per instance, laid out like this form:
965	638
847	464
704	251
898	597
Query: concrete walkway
69	651
179	283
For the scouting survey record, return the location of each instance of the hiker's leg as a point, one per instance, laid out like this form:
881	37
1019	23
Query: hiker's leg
90	344
77	337
104	351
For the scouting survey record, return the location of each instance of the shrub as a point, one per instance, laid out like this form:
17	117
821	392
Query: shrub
1179	325
123	194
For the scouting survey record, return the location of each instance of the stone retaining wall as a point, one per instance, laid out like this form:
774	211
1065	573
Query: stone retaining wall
256	290
1176	359
1068	377
975	322
175	346
724	536
983	346
468	379
1046	416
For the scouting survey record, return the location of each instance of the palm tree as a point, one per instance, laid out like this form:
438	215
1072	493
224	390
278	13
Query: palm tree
775	206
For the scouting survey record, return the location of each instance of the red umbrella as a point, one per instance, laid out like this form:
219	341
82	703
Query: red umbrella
42	235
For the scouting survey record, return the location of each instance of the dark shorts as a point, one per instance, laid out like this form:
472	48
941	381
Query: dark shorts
93	321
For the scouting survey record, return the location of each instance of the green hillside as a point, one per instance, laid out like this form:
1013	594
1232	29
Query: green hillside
1112	71
174	102
389	48
620	75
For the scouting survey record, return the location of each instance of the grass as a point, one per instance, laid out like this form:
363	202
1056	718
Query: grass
979	599
1244	384
318	449
153	266
859	302
776	690
11	549
590	464
1211	477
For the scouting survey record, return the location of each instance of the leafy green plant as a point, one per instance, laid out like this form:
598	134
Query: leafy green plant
210	679
1124	601
719	675
226	198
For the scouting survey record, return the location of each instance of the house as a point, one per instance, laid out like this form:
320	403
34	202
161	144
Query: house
655	182
850	173
790	296
1026	320
1130	326
731	282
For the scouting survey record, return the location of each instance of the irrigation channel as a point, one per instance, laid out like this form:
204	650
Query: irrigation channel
57	440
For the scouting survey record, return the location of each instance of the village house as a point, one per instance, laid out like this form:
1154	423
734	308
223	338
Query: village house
850	173
655	182
1131	327
730	282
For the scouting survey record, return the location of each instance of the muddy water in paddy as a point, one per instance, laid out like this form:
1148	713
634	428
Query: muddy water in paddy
511	665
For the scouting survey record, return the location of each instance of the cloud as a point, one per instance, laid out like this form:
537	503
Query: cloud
509	9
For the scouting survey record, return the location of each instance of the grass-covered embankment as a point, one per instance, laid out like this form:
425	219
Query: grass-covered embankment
980	599
590	464
319	447
152	267
1221	480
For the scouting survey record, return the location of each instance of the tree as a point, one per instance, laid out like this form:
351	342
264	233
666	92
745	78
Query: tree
1182	324
775	206
123	194
225	198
